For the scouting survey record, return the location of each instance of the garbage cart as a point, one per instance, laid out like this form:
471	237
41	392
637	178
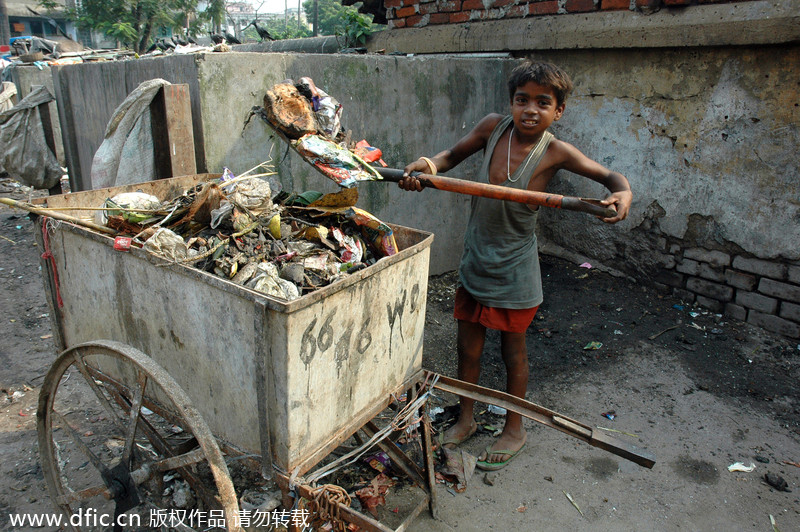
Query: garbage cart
182	364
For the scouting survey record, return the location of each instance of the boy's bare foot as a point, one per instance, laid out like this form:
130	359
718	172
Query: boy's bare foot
509	443
458	433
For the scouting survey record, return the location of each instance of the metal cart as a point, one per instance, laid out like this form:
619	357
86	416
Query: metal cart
171	378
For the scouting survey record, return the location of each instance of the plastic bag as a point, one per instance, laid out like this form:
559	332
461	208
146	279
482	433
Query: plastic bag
7	93
336	162
126	154
167	244
327	110
267	280
23	151
128	203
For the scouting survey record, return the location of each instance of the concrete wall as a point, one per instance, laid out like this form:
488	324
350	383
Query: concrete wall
703	124
707	137
406	106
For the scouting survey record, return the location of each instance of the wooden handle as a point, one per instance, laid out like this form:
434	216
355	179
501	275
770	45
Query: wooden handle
58	216
484	190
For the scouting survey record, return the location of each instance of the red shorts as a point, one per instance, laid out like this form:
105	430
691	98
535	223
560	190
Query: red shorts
500	319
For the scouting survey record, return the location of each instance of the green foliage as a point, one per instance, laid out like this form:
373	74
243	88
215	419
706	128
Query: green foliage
350	27
279	29
132	22
354	28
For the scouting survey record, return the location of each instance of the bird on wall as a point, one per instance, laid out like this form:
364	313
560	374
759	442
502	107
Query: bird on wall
231	38
262	31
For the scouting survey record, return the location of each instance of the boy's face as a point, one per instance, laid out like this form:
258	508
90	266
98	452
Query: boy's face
534	107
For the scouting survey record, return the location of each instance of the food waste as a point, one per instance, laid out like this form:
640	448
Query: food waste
281	244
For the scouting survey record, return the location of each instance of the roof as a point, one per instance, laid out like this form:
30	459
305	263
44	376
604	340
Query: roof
19	8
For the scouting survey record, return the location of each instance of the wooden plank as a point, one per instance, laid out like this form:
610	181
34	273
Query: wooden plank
171	125
49	138
175	69
88	94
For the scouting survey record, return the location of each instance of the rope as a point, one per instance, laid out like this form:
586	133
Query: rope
48	255
404	419
325	504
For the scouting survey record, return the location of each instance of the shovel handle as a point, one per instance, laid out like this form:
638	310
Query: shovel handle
484	190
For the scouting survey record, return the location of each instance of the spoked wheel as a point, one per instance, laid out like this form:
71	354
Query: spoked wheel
123	449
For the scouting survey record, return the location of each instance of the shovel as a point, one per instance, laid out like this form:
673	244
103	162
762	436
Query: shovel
462	186
484	190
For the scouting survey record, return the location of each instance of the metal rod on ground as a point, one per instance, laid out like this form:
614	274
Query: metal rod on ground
58	216
502	193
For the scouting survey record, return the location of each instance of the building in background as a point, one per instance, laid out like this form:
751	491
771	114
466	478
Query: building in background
23	21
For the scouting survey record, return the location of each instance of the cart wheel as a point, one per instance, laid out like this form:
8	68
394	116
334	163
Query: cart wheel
120	445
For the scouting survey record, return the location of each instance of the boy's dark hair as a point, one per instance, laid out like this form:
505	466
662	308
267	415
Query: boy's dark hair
545	74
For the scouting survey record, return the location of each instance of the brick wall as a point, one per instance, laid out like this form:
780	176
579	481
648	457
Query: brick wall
762	292
419	13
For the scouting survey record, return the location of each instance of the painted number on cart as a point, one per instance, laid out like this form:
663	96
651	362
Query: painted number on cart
321	339
320	335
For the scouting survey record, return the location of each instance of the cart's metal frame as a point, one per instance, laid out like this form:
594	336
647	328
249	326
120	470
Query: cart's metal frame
423	476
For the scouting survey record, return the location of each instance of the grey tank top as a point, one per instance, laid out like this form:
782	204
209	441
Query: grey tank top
500	263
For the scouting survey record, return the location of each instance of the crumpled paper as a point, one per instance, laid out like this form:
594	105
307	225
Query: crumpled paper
167	244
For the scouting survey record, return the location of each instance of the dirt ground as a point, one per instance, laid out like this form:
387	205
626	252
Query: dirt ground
697	390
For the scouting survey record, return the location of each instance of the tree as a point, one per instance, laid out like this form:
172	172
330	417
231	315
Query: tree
133	22
279	29
343	21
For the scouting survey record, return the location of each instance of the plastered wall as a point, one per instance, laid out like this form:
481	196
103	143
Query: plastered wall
707	137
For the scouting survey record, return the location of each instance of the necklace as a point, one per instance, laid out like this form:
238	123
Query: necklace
508	159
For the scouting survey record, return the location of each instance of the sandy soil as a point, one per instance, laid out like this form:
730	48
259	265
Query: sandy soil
699	391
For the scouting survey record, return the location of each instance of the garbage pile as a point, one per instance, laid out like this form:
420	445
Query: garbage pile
310	120
284	245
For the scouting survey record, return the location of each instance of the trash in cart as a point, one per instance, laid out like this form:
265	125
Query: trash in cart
311	121
236	228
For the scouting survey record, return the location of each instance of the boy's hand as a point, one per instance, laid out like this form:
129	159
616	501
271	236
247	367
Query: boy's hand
620	202
412	183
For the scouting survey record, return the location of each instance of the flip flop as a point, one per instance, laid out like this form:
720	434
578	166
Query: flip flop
455	441
494	466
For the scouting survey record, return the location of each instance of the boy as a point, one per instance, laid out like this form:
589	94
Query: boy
500	283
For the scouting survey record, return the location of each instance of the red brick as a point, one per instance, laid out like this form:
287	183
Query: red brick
609	5
440	18
449	6
392	3
457	18
410	2
579	6
472	4
517	11
501	3
426	9
398	23
548	7
414	20
404	12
